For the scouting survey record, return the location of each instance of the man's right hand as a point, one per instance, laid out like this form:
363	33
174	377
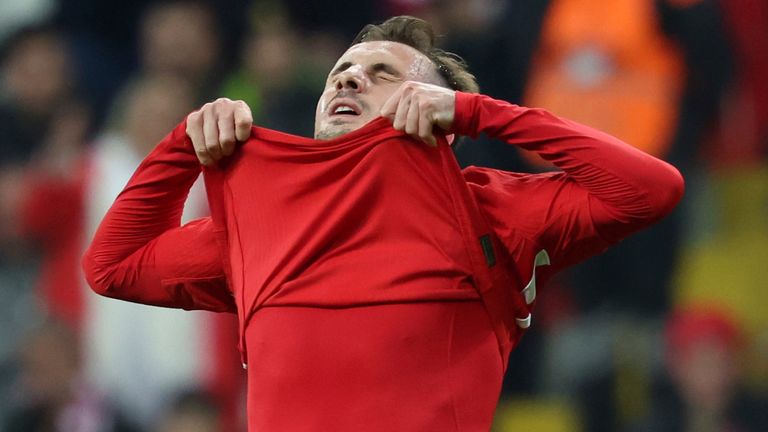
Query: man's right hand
216	127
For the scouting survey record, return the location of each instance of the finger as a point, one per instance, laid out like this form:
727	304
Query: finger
211	132
402	112
195	134
390	106
412	119
243	122
227	132
426	131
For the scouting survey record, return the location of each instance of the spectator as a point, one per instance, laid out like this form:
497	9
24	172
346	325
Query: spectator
272	78
625	77
182	38
50	200
703	347
745	122
53	395
58	208
191	411
37	88
43	124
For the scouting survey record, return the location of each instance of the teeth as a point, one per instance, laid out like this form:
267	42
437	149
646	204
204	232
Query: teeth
343	109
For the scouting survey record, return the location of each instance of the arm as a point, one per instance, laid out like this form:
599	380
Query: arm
607	190
141	254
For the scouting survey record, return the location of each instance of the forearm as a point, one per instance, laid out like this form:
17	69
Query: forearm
629	189
139	247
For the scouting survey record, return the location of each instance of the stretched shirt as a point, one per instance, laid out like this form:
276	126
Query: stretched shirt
365	221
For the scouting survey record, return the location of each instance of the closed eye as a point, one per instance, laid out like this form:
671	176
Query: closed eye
385	71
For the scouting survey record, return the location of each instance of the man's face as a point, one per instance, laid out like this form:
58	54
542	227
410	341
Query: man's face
361	82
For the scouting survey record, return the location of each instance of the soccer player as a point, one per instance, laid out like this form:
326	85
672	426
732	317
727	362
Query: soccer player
378	286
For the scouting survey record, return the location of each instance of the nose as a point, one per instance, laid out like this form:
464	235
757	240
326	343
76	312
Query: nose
350	79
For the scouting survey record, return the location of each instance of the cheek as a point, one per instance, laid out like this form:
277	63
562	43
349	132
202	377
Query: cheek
322	104
377	100
318	116
319	108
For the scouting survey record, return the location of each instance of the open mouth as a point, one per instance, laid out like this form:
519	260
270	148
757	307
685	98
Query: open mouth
344	108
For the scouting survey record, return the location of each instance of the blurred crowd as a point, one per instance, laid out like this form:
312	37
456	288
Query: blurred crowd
668	331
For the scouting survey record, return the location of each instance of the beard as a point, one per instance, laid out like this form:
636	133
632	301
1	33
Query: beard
330	133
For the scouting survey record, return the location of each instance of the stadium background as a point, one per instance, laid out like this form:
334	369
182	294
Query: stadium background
668	327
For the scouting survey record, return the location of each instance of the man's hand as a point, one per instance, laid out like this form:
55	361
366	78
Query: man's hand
216	127
417	107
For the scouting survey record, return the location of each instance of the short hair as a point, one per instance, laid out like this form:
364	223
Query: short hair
34	31
418	34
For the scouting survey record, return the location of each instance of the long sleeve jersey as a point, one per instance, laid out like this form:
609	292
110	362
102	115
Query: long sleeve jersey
366	220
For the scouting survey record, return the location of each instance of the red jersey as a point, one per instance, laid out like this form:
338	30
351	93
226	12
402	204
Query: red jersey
374	281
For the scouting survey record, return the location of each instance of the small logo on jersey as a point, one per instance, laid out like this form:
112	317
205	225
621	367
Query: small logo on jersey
487	245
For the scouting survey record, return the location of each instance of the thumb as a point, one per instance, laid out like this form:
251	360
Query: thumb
390	106
243	122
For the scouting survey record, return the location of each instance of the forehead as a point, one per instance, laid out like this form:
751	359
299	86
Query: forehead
394	53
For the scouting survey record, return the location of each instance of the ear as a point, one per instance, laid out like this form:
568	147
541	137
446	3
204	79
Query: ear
450	138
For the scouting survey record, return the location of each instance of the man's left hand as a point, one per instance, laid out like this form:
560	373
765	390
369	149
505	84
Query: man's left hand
417	107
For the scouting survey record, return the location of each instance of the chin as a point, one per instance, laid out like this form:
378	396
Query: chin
337	128
333	132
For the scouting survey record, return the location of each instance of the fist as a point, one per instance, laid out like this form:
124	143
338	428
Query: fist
216	127
416	108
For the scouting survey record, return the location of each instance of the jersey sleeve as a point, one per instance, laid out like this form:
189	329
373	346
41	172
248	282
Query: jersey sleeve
606	190
141	253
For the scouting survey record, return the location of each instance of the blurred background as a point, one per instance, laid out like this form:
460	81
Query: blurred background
666	332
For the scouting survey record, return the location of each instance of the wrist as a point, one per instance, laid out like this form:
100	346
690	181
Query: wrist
464	120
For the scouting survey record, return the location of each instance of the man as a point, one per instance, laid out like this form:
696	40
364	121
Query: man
703	387
52	393
378	287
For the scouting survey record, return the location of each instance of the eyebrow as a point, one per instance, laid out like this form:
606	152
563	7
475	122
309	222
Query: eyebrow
377	67
342	67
